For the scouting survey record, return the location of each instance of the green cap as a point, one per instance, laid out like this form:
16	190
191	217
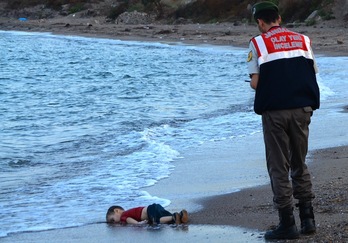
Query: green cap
259	7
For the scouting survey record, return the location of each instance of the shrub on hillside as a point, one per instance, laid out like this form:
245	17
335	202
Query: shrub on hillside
18	4
54	4
115	11
205	10
293	10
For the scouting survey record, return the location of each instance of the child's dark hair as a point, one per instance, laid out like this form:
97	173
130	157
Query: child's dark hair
267	15
111	212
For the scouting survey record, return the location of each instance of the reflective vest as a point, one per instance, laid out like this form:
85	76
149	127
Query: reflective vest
287	77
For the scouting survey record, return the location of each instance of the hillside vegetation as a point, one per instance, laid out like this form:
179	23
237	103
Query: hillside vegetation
202	11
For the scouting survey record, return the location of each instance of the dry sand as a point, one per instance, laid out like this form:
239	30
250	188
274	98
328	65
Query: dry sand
327	37
250	208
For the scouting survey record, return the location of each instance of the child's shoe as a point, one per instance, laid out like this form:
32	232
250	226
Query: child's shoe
176	218
183	216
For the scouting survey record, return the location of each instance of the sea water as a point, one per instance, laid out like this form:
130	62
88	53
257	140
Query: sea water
88	122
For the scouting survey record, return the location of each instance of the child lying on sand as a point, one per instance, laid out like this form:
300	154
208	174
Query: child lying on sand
152	214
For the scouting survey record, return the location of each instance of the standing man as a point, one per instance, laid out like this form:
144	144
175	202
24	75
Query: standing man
283	72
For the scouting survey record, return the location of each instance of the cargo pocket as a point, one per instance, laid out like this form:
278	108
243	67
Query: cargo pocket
308	109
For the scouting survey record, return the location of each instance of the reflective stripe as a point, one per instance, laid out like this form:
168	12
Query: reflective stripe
284	54
259	45
281	45
308	44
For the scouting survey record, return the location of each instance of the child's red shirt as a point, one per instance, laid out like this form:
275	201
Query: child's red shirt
134	213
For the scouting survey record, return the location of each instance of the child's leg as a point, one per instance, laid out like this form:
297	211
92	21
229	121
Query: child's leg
156	212
166	217
166	220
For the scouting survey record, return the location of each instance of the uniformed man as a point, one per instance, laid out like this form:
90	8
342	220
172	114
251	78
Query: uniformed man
283	72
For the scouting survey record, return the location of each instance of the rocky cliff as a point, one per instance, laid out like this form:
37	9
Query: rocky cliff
200	11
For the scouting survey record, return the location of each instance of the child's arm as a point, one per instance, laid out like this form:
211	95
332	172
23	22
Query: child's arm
133	221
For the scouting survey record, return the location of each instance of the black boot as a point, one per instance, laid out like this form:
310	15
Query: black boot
286	229
307	218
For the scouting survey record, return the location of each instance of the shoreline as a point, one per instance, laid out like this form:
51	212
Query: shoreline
328	38
242	216
252	207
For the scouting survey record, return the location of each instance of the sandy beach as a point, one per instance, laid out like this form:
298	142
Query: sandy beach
252	207
328	37
234	217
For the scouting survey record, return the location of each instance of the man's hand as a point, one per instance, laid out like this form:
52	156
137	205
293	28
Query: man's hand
254	80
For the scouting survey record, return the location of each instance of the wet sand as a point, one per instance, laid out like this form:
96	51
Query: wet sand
252	208
235	217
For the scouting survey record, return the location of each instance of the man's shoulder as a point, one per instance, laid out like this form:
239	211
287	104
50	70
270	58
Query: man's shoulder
254	37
